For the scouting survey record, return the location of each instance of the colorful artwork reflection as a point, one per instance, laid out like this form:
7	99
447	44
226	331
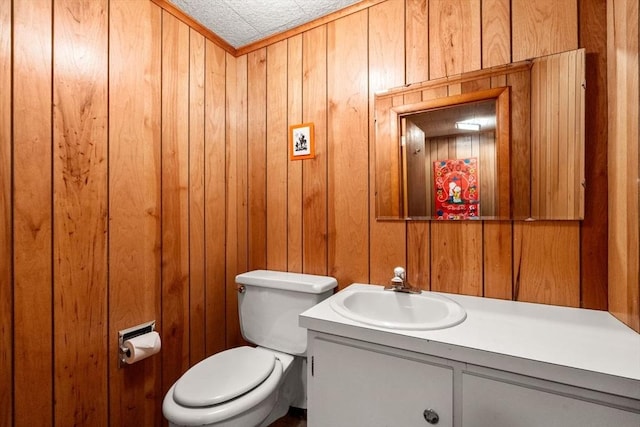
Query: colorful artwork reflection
457	190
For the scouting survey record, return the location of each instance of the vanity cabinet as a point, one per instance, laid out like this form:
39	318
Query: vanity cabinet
355	383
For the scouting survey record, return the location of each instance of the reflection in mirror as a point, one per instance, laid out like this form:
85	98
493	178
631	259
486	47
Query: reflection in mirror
508	145
450	158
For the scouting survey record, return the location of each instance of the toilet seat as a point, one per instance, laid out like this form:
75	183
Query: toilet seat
223	376
254	398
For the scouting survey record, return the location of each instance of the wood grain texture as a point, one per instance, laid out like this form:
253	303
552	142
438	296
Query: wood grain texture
215	198
6	220
257	158
242	154
197	262
454	37
277	156
456	257
417	40
234	207
80	212
347	136
32	213
624	92
496	32
593	230
295	169
386	44
497	252
175	199
314	174
547	262
543	27
134	201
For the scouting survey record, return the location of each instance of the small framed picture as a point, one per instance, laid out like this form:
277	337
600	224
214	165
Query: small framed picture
301	142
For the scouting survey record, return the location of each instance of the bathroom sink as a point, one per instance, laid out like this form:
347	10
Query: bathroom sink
396	310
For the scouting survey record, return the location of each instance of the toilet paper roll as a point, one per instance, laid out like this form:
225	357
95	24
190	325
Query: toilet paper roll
141	347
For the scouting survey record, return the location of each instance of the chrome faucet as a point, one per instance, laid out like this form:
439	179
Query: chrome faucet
399	284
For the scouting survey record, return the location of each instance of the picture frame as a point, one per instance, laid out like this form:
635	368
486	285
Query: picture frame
302	144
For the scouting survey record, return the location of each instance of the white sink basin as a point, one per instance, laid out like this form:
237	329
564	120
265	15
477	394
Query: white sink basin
396	310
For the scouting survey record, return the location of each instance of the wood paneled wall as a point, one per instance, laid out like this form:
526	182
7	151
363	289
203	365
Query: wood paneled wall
624	120
142	167
113	188
390	44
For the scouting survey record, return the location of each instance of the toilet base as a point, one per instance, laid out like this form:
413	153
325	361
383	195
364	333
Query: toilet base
290	393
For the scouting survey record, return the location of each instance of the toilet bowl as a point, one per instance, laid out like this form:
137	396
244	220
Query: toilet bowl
237	387
253	386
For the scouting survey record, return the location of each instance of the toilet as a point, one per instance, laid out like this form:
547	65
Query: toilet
253	386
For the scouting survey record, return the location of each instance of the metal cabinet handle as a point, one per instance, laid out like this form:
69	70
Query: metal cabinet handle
431	416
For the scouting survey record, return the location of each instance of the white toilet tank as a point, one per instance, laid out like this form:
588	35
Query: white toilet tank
269	303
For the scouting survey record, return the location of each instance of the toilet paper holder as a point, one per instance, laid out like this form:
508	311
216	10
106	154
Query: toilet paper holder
132	332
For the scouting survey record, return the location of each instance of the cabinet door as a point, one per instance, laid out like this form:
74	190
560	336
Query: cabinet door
352	386
490	402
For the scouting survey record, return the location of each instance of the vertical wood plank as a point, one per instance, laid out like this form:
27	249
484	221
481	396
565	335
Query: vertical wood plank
239	145
593	230
496	32
386	45
454	37
197	340
348	191
547	262
257	159
624	92
314	174
242	154
6	243
543	27
417	40
234	206
277	156
80	212
295	168
497	254
134	201
175	199
32	212
215	198
456	257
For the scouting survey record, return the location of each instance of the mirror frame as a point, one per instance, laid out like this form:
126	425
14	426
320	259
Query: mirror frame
529	170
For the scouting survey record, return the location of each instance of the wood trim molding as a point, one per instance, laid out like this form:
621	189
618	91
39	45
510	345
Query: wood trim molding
515	67
356	7
243	50
208	34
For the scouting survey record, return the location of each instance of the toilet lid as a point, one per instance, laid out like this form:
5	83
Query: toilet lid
223	376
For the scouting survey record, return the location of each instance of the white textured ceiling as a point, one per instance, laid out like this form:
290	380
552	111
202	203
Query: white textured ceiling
241	22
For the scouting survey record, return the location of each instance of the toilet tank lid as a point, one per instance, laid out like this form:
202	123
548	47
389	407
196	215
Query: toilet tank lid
309	283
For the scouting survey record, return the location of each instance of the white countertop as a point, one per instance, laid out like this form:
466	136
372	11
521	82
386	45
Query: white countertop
579	347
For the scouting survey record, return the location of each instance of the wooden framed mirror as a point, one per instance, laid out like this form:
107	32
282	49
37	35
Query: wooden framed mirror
523	144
